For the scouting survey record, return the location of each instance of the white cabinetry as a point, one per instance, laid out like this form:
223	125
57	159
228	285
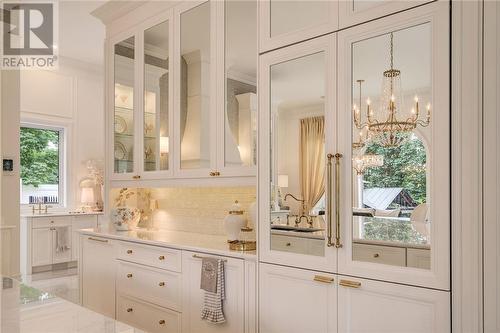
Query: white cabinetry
97	274
42	246
193	296
375	306
295	300
81	222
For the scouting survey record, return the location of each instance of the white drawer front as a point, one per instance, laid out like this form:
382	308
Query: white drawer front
151	255
288	244
149	284
47	221
379	254
419	258
147	317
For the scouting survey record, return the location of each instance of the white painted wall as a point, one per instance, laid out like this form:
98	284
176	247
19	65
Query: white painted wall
71	97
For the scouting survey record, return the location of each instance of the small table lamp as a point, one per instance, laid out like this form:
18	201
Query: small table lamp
87	197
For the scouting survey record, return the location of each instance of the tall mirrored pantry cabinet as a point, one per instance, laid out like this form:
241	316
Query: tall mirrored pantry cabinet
354	139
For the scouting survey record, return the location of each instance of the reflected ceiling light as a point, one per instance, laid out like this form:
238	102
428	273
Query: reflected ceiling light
363	162
393	127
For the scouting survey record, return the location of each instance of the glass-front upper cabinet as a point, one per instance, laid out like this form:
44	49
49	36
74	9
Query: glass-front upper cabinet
395	187
124	58
284	22
298	125
239	141
196	90
157	99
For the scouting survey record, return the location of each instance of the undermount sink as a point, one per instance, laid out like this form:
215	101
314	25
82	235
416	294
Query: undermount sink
293	228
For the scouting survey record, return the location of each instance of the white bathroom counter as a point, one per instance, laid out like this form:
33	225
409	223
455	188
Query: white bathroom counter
189	241
60	213
29	310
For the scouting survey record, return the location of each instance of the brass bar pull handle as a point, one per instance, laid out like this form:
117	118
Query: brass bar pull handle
329	200
136	177
350	284
98	240
323	279
338	243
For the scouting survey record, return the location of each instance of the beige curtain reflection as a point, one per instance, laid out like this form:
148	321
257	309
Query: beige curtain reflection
312	160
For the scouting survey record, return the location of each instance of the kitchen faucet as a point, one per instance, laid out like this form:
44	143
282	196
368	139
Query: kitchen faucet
298	218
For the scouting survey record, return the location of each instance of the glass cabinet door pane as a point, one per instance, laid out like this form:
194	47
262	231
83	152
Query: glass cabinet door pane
289	16
391	131
298	155
195	88
240	121
124	106
156	98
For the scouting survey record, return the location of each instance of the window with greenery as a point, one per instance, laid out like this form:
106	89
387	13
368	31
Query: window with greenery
41	151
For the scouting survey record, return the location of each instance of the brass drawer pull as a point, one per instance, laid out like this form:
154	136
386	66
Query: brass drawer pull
130	310
161	284
161	258
136	177
129	275
323	279
376	255
98	240
129	251
350	284
161	322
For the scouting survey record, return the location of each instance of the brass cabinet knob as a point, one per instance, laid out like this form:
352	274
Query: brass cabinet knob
288	244
51	221
129	251
161	322
136	177
130	310
161	284
217	173
211	174
129	275
161	258
376	255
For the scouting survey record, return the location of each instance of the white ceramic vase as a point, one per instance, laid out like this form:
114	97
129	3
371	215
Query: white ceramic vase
234	222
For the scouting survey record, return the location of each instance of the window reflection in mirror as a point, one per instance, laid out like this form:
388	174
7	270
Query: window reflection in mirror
390	178
240	134
124	106
156	76
298	155
195	88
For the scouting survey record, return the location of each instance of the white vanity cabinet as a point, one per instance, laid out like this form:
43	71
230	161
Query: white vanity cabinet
182	93
97	270
193	296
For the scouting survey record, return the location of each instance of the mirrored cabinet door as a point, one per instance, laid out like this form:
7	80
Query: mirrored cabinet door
157	98
123	105
196	122
284	22
396	142
239	121
296	110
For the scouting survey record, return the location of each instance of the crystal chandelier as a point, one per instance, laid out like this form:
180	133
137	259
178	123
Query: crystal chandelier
363	162
393	129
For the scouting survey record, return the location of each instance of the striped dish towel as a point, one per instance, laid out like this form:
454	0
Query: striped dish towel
212	306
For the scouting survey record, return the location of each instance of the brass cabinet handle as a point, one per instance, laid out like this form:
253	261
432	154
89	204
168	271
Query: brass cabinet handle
376	255
161	258
329	242
136	177
161	322
161	284
217	173
338	243
130	310
98	240
211	174
323	279
350	284
129	275
129	251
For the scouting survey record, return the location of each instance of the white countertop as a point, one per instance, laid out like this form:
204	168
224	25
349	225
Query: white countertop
210	244
29	310
61	213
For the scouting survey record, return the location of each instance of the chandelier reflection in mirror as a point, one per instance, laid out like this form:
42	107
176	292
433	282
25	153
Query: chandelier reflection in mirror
394	129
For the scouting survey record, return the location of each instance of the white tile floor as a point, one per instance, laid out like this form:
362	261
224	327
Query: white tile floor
62	283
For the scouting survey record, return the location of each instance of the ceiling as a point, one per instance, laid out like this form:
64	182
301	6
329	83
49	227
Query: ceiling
81	36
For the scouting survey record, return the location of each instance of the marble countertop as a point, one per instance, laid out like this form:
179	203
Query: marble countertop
28	310
59	213
210	244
